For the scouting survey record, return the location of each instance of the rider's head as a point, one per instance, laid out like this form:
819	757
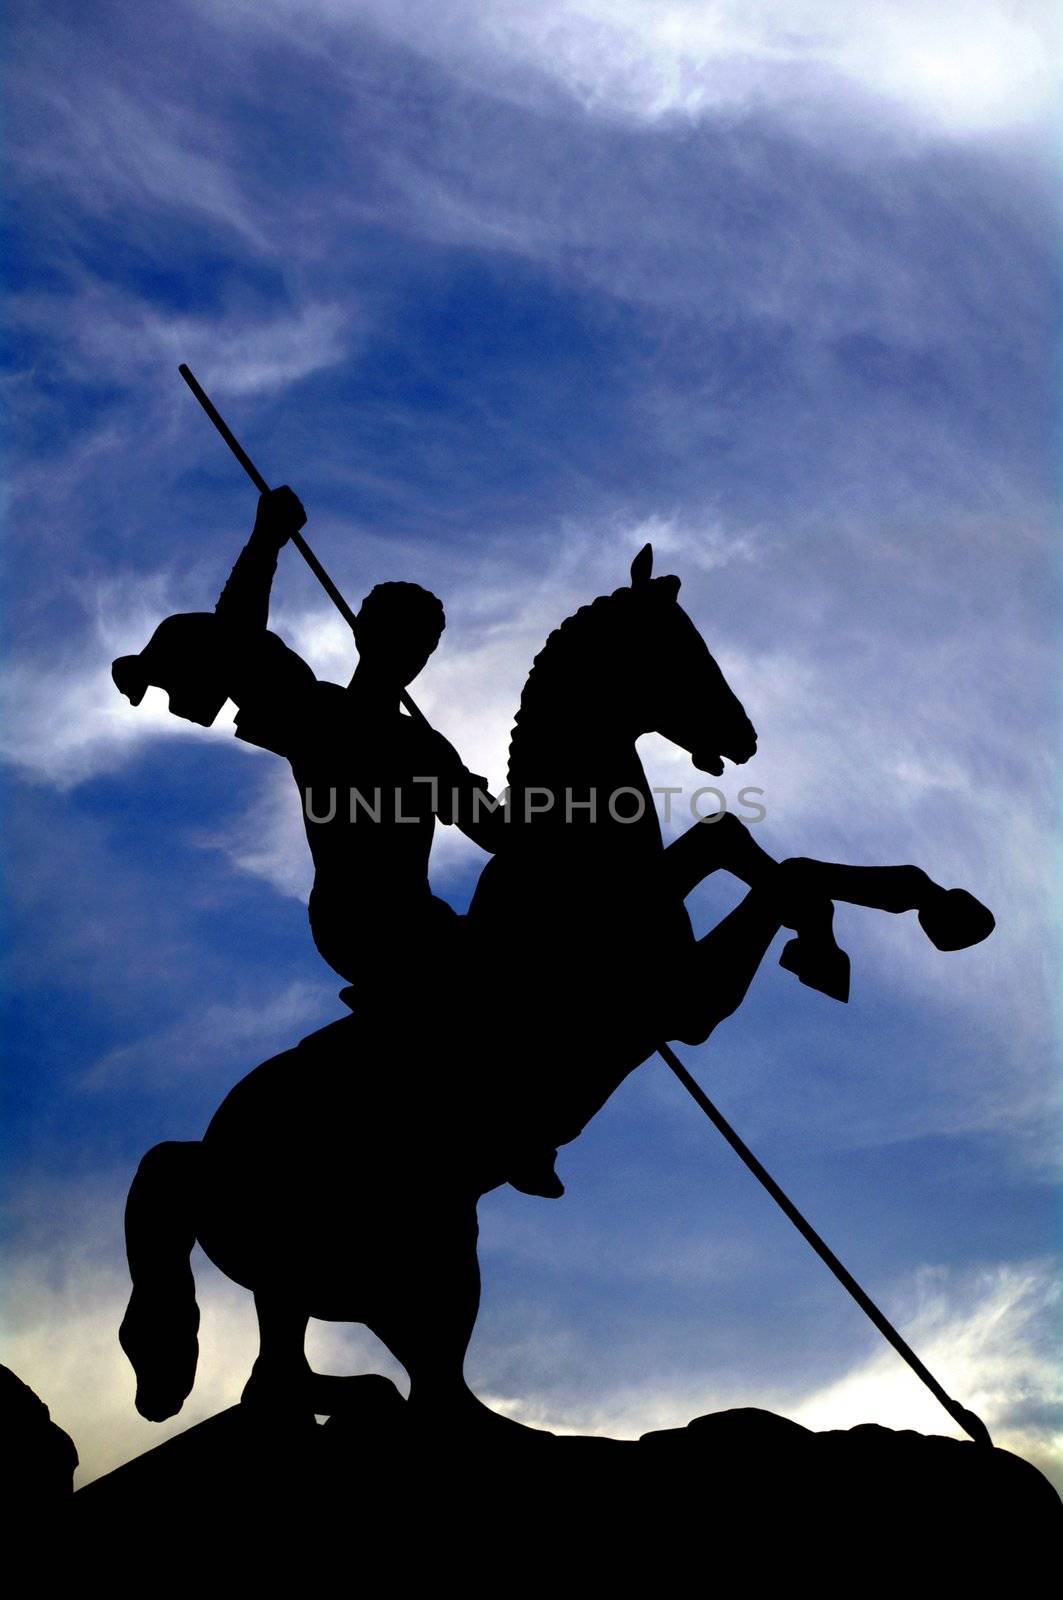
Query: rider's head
397	628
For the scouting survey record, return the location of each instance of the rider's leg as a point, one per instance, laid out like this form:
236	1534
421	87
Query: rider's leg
160	1327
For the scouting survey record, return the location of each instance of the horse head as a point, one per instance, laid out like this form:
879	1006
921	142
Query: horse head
677	688
631	662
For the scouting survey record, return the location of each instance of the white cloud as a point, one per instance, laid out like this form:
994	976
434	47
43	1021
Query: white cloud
112	147
62	1339
230	354
102	334
988	69
989	1337
991	1340
268	840
64	720
210	1036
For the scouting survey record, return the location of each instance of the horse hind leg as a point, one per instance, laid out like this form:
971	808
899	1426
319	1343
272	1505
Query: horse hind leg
159	1332
281	1381
721	966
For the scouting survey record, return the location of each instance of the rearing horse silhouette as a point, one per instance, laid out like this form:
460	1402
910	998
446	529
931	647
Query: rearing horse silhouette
340	1179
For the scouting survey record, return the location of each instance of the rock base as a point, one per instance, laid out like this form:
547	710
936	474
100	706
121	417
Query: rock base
741	1496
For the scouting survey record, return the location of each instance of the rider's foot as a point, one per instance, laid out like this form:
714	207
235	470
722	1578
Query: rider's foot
534	1173
159	1336
952	919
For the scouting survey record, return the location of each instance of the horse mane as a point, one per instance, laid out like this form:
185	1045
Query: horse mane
581	639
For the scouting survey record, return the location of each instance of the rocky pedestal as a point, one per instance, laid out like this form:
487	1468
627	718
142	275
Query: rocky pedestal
738	1497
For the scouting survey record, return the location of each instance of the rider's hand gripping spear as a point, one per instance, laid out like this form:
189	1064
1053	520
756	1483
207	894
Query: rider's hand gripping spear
971	1424
296	538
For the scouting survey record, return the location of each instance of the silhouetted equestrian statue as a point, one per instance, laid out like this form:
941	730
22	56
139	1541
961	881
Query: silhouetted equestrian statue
340	1180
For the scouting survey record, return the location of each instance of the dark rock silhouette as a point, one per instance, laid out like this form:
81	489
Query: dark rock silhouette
37	1459
340	1179
740	1495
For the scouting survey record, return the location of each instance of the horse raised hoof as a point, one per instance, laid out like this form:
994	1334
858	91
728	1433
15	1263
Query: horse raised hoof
818	965
952	919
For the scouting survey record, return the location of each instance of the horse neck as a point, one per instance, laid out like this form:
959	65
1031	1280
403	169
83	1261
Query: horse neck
578	755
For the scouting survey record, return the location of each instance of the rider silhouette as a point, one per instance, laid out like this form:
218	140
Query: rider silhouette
372	780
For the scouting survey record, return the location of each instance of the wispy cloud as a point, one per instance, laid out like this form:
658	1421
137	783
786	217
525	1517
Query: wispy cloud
62	1339
268	840
687	59
991	1339
213	1037
64	719
112	336
95	136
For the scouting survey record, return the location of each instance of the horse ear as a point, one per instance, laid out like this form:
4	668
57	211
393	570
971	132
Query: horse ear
642	567
670	585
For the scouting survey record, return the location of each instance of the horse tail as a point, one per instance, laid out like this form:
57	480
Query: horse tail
159	1332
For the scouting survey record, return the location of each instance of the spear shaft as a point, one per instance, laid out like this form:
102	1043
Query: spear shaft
972	1425
297	539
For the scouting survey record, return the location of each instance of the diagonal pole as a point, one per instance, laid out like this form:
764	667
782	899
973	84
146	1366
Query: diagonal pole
297	539
972	1425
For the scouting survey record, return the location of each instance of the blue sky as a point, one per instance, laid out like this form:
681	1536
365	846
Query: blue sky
504	292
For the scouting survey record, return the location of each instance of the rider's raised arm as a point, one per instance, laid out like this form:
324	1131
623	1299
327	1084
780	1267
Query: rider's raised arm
244	601
267	681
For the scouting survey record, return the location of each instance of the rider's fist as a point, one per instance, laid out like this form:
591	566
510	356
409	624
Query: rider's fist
280	514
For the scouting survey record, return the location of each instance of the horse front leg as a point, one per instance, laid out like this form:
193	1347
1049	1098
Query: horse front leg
724	842
952	919
722	965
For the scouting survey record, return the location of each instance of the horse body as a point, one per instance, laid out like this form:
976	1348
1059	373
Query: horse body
322	1164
